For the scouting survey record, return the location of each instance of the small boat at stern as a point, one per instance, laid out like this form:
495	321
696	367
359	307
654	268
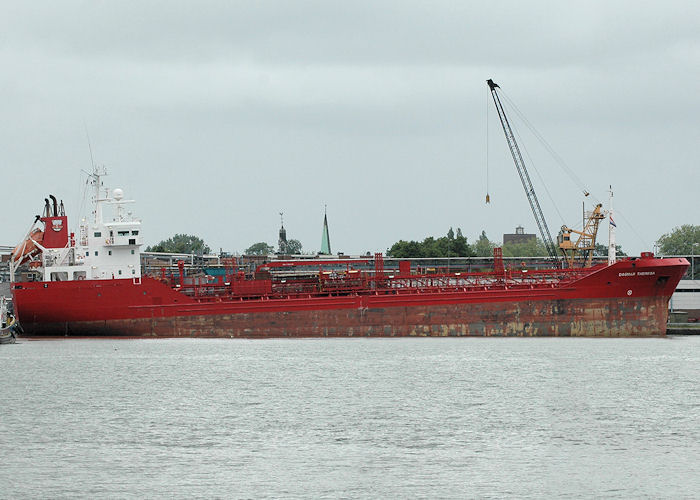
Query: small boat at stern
8	325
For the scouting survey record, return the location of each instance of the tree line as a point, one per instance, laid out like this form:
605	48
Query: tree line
261	248
456	245
682	240
190	244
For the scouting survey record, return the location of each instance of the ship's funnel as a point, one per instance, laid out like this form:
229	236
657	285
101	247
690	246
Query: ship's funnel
55	205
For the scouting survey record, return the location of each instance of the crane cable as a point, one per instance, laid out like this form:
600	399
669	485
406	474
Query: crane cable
569	171
563	165
527	153
539	176
644	242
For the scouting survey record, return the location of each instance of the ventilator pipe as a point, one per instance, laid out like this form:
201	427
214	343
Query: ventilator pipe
55	205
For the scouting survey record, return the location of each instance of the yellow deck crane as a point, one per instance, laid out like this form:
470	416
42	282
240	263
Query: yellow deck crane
584	246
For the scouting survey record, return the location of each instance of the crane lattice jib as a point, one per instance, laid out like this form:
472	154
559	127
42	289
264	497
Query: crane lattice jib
522	172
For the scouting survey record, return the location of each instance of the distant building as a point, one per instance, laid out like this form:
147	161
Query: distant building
325	237
518	237
687	298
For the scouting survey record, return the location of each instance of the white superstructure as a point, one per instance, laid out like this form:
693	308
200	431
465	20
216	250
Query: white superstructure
107	247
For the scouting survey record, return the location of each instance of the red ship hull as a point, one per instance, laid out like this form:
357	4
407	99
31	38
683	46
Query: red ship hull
629	298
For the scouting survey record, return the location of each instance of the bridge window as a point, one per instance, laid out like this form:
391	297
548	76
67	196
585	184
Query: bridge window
98	234
134	233
123	233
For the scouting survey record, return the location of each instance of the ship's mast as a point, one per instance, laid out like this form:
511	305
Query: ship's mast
611	232
96	181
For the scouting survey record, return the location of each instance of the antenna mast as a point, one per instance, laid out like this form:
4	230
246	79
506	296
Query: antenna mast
612	254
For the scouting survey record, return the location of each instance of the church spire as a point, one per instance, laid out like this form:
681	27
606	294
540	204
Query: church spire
325	237
282	242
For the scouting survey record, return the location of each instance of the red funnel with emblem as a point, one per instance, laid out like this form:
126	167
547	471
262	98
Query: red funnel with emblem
55	231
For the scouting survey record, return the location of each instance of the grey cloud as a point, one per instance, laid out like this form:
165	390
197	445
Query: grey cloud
221	114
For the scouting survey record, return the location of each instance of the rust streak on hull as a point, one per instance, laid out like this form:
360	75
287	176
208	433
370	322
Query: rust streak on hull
627	299
599	318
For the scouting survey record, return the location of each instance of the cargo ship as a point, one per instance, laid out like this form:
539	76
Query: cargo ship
91	284
94	285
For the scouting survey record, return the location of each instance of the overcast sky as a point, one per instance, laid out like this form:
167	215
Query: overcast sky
216	116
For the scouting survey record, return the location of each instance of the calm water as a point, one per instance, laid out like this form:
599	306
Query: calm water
351	418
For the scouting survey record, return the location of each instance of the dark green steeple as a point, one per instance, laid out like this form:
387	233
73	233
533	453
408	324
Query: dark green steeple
325	237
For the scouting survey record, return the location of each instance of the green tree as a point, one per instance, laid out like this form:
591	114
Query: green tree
261	248
683	240
181	243
483	246
405	250
459	246
294	247
530	248
435	248
446	246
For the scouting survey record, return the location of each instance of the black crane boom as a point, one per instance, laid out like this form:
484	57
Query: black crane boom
522	172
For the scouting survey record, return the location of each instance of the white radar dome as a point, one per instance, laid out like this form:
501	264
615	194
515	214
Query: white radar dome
118	194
